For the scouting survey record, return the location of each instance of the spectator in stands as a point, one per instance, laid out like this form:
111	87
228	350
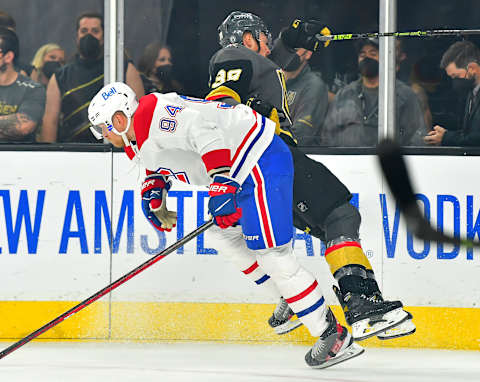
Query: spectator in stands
461	62
7	21
402	62
155	66
307	98
47	60
71	88
425	79
352	119
22	101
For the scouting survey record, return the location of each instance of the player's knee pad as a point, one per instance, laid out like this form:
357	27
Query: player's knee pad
231	245
342	221
279	262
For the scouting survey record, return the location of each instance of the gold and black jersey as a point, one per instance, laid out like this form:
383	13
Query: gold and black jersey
240	73
78	82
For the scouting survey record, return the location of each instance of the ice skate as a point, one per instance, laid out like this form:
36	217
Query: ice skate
335	345
369	316
405	328
282	320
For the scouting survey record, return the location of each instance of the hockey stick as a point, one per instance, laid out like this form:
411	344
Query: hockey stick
396	173
107	289
427	33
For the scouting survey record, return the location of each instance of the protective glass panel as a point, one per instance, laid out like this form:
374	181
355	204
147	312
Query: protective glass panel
427	66
61	53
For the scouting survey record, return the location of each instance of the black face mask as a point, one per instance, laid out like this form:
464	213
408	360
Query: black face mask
89	47
368	67
463	85
294	64
163	72
50	67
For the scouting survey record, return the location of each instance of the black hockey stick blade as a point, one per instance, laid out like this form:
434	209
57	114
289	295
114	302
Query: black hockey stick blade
396	174
107	289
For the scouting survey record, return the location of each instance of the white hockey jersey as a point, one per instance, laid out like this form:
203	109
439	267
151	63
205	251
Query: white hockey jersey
193	139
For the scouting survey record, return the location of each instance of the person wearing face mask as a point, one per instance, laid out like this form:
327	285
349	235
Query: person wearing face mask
155	66
22	100
47	60
461	62
71	88
352	119
307	98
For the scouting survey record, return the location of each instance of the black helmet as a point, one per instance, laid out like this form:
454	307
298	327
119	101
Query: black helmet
232	28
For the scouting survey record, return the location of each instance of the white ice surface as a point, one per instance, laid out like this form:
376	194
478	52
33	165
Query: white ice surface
199	362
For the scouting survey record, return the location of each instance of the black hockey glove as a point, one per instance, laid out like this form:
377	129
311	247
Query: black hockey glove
267	110
301	34
260	106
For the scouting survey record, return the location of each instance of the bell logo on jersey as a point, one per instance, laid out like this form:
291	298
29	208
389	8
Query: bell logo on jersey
109	93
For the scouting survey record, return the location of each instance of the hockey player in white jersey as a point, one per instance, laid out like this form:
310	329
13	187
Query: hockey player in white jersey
249	172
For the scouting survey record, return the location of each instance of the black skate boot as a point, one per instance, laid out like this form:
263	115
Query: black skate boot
335	345
282	320
404	328
369	316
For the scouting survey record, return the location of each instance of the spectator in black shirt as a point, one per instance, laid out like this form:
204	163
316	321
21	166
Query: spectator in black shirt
22	101
71	88
461	62
156	66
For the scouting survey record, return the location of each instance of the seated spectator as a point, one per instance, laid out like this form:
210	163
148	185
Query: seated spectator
48	59
424	81
155	66
307	99
22	101
7	21
352	119
461	62
71	88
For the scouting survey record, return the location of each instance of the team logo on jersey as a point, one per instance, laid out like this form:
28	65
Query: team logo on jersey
291	97
181	175
302	206
173	110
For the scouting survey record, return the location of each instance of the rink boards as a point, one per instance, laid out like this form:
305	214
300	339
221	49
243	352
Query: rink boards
59	211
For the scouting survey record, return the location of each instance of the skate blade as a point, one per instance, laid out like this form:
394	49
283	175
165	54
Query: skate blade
354	350
287	326
361	330
404	329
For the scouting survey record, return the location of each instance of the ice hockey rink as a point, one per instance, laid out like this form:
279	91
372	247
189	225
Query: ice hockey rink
199	362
